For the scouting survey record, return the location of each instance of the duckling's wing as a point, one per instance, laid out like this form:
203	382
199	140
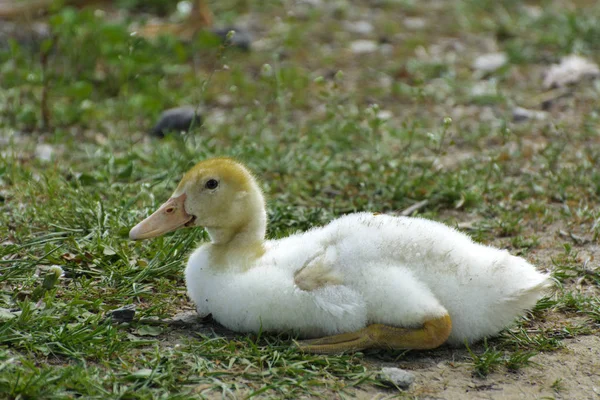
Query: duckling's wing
324	282
316	274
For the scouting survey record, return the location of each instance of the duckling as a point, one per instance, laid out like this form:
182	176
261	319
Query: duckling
362	281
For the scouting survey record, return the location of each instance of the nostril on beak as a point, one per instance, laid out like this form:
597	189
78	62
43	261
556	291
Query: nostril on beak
170	210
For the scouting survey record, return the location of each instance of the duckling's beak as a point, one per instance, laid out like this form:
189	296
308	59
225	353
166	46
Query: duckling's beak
169	217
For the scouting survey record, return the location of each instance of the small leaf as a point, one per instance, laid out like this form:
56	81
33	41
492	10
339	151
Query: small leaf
87	179
6	315
42	349
108	251
149	330
142	373
125	173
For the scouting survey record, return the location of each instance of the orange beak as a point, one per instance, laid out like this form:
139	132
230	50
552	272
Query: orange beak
169	217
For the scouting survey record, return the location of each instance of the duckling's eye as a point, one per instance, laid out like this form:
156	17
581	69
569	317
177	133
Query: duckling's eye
212	184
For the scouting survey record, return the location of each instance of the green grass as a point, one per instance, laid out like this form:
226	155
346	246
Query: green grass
557	385
305	117
485	362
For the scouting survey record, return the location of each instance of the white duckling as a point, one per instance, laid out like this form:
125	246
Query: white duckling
362	281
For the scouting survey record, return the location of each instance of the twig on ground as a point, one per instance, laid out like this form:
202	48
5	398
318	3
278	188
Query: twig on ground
415	207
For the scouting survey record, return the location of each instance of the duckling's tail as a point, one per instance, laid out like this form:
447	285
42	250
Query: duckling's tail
536	286
512	287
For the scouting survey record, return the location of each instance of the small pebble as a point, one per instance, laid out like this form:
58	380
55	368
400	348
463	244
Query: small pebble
533	12
123	314
484	88
180	119
397	377
242	39
44	152
360	27
414	23
184	8
384	115
185	319
520	114
490	62
363	46
571	70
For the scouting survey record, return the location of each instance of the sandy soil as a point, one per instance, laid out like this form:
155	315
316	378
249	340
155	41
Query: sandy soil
447	374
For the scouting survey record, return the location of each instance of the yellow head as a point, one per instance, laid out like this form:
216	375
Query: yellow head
219	194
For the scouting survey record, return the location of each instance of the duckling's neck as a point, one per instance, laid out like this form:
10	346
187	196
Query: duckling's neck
239	239
237	248
245	225
251	233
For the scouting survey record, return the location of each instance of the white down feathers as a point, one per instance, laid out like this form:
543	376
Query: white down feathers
393	270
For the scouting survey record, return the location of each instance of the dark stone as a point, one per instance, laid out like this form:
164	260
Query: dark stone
242	38
123	314
180	119
28	37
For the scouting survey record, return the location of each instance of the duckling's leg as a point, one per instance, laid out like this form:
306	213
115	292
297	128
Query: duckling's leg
433	334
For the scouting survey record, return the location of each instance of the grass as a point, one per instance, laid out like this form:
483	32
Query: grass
311	119
485	362
557	385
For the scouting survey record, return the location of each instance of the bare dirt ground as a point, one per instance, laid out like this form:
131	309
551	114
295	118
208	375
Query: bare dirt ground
445	374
